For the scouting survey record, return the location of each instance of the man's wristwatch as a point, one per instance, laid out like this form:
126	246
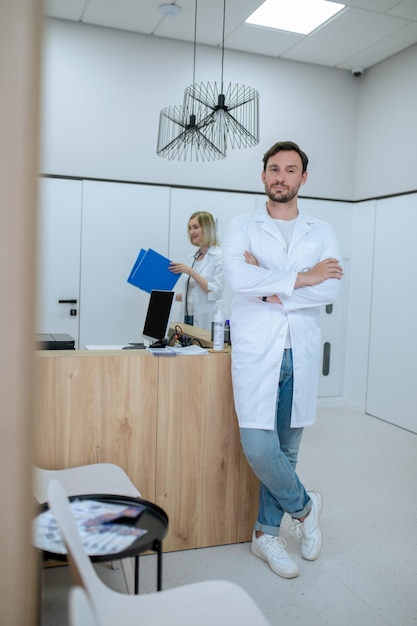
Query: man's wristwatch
264	298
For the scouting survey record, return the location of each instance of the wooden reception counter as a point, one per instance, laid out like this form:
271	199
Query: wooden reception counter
169	422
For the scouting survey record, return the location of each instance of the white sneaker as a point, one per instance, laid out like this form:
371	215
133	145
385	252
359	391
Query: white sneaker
308	531
272	550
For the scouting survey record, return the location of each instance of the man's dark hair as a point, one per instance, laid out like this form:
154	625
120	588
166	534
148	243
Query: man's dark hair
285	145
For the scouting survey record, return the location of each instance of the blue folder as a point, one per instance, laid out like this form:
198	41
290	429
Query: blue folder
150	271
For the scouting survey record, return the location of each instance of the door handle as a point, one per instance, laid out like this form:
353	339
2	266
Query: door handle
71	301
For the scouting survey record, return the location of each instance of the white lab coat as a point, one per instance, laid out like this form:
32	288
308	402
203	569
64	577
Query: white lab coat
211	268
259	329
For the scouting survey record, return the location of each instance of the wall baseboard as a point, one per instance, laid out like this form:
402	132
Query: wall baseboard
340	401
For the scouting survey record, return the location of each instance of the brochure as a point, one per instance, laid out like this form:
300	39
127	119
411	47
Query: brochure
104	528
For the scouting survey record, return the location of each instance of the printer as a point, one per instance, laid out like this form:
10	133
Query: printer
56	341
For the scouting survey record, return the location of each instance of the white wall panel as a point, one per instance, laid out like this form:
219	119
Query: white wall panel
358	304
392	369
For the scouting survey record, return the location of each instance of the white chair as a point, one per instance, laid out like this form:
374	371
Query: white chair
81	612
203	604
96	478
84	480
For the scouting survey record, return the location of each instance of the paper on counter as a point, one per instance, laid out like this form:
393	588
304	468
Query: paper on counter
189	350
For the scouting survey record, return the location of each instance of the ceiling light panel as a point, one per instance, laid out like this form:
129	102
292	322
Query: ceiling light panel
296	16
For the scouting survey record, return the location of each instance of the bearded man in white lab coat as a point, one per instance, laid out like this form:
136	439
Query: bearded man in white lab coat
282	266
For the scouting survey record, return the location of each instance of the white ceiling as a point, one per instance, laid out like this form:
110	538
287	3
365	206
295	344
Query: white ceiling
363	34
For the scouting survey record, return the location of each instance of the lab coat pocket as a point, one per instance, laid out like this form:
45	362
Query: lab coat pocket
310	255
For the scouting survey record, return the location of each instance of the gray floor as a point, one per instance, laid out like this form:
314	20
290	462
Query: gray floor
367	572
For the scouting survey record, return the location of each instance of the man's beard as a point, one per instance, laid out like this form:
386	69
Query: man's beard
281	197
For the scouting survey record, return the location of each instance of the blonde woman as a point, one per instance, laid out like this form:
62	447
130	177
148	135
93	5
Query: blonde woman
202	283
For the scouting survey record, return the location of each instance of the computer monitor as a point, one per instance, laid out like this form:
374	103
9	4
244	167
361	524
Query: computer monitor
157	317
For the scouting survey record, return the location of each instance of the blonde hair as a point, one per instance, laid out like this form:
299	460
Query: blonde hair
208	225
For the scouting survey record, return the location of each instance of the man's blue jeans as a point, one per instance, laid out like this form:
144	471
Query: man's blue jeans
273	454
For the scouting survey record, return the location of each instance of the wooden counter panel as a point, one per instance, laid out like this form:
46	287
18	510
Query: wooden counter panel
65	422
197	442
94	408
125	406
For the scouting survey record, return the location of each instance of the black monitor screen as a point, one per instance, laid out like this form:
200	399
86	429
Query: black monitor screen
157	315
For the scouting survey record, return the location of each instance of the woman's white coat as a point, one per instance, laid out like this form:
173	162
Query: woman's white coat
210	268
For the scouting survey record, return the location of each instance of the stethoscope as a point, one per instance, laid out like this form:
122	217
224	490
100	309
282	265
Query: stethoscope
197	255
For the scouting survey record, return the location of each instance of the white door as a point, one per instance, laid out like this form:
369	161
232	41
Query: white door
59	246
333	343
333	318
118	220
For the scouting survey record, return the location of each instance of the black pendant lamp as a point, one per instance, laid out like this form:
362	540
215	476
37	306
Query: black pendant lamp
210	120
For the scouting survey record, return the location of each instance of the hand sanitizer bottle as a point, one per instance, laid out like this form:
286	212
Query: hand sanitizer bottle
218	327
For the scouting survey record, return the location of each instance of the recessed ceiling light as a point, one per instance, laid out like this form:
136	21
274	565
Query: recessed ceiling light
170	9
296	16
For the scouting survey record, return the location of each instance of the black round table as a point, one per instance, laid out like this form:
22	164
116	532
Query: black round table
153	519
